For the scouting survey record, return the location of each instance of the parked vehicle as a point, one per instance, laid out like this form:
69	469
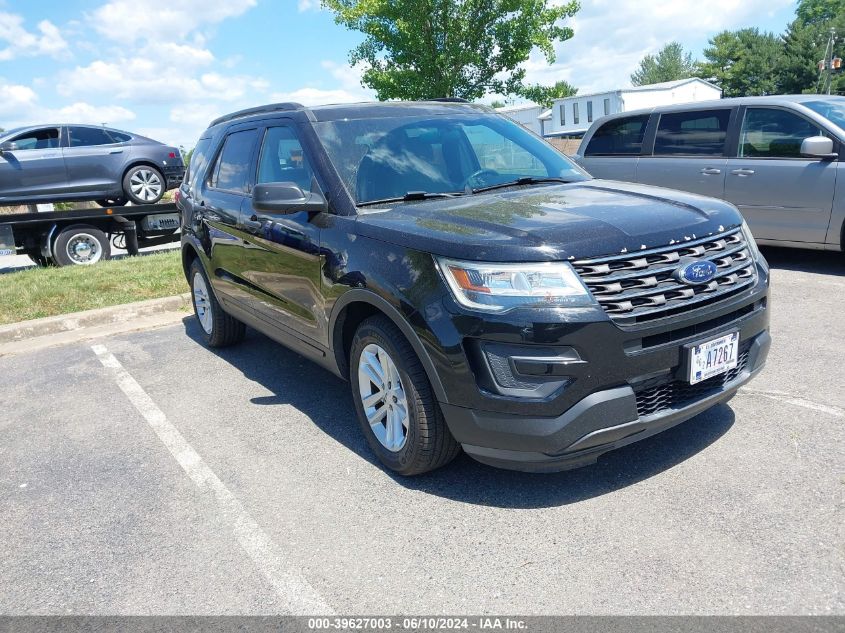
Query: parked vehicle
84	236
775	158
476	287
63	163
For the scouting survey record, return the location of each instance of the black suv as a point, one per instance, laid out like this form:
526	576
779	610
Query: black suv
476	288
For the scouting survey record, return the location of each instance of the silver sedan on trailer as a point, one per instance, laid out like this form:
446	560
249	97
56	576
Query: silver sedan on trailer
65	163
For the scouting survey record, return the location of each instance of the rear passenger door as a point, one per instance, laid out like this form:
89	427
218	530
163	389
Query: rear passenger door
783	195
218	203
690	152
94	161
281	255
614	149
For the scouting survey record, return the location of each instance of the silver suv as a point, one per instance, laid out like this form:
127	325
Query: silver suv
775	158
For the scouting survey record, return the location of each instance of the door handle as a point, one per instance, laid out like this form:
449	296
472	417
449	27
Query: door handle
116	151
711	171
743	172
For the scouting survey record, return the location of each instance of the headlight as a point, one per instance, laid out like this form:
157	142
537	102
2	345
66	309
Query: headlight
752	245
494	287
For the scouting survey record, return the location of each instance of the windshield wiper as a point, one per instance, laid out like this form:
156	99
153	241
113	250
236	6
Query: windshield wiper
411	196
525	180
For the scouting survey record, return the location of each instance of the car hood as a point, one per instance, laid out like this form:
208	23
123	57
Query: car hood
550	222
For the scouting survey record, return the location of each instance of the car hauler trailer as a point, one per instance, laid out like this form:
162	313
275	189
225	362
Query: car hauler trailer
85	236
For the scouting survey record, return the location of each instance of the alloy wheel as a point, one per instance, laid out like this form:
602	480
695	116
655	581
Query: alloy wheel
383	397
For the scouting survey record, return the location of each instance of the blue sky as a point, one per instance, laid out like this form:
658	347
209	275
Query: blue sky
166	68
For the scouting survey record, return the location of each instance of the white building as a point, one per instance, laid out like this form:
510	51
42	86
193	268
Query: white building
527	115
572	116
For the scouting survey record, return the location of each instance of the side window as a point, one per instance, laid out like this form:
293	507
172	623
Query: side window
563	114
771	133
88	136
606	107
589	111
232	168
697	133
620	136
198	163
283	159
47	138
118	137
575	113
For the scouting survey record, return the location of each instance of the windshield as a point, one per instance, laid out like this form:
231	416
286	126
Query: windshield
831	109
386	158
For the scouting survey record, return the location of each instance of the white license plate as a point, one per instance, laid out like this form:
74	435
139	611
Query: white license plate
7	240
713	357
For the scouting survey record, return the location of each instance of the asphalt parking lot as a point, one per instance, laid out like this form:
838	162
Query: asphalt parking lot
149	475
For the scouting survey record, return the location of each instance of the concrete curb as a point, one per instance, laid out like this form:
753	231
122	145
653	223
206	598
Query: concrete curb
65	328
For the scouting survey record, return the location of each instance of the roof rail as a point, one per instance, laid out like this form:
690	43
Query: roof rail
448	100
270	107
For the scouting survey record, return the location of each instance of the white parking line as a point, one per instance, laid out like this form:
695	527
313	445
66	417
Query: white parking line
297	595
781	396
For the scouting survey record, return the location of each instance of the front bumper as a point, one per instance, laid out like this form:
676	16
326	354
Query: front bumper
579	436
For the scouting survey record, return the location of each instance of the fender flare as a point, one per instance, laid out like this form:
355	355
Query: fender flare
358	295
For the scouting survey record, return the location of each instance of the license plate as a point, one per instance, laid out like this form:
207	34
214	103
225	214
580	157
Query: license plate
7	240
713	357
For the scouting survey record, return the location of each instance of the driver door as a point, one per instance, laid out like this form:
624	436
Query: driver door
782	195
35	169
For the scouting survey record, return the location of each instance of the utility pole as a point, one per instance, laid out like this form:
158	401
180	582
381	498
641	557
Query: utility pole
827	66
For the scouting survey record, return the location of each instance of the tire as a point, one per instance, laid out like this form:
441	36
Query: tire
426	442
143	184
112	202
218	328
80	245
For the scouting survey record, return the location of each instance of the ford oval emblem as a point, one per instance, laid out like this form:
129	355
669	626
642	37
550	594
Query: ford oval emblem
698	272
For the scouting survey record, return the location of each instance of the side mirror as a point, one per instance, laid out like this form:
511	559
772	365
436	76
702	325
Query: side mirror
286	198
818	147
8	146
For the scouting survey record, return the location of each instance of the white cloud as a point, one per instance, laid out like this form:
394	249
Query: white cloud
19	105
612	36
20	43
316	96
308	5
131	20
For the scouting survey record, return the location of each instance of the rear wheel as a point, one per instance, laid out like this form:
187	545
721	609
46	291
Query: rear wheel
144	184
218	328
81	245
396	408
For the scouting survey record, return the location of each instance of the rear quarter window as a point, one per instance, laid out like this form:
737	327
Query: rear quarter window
197	164
618	137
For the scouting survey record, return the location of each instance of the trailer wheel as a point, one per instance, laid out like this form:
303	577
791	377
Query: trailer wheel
81	245
112	202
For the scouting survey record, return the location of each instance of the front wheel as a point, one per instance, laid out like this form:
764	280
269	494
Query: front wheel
393	398
81	245
218	328
144	185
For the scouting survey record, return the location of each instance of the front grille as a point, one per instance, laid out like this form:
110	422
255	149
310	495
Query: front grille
641	286
656	395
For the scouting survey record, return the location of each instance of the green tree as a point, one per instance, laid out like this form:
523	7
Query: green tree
818	12
497	104
545	95
420	49
803	47
743	62
670	63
